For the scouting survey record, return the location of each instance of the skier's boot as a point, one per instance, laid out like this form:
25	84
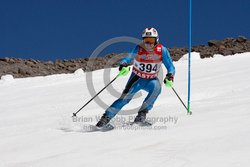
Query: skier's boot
103	121
141	117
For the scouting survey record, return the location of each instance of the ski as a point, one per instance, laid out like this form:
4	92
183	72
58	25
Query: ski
93	128
145	123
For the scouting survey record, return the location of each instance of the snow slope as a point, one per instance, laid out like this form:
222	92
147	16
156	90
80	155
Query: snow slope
36	128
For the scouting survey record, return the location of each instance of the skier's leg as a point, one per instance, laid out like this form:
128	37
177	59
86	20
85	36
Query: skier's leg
153	87
131	88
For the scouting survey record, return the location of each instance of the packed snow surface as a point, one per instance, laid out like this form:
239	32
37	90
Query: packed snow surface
36	127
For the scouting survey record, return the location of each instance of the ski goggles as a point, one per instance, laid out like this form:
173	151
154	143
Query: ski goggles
149	40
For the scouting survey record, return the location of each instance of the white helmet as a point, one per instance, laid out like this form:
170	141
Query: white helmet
151	32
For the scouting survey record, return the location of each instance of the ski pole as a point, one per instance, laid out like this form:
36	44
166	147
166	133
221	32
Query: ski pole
74	114
123	72
189	112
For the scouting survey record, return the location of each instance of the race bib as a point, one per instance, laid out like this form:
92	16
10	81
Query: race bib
146	70
147	64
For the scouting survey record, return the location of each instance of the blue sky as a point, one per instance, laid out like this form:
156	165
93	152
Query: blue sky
66	29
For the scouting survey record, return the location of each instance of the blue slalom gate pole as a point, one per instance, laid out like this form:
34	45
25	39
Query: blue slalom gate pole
189	55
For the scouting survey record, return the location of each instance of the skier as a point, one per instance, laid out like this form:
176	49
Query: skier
147	57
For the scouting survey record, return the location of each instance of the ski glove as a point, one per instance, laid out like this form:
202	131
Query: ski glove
169	79
124	69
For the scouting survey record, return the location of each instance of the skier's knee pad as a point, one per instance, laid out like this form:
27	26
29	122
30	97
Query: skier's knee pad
125	101
125	98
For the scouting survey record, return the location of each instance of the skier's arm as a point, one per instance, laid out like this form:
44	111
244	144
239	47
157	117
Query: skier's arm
167	61
130	56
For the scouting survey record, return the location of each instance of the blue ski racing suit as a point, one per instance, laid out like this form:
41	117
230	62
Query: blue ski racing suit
146	66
